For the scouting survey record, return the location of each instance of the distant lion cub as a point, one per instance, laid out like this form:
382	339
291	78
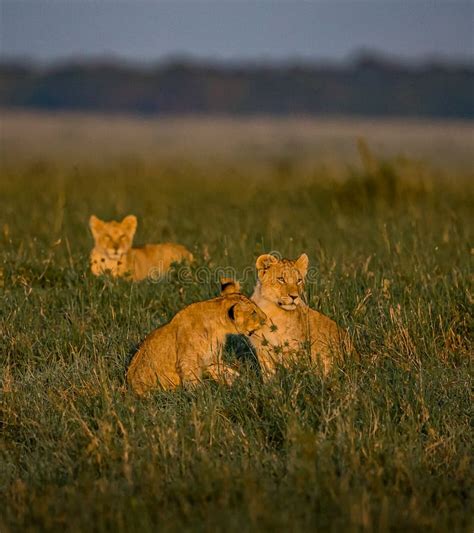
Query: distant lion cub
113	251
190	345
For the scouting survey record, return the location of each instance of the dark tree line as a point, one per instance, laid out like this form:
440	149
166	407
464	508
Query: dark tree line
369	86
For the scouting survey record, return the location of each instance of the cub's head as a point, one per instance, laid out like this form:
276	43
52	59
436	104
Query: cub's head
244	315
113	239
281	281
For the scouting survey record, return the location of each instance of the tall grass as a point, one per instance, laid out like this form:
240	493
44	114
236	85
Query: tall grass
383	443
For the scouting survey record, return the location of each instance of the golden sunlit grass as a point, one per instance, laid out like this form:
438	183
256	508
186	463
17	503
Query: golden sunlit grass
324	142
384	443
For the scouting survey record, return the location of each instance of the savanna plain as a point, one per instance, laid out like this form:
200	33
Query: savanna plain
384	211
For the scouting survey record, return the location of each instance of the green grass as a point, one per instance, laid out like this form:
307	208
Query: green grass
381	444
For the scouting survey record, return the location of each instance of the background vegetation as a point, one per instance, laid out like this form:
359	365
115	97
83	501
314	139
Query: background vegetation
368	86
382	444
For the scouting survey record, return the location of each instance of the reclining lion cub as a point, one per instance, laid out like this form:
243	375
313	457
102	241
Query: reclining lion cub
113	251
292	328
190	346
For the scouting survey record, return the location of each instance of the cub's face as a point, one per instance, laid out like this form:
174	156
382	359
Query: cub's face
282	280
113	239
246	316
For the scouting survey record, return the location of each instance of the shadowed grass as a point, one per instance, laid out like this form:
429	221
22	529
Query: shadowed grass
382	444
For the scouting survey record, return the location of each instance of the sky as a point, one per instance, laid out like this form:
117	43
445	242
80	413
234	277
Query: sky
146	30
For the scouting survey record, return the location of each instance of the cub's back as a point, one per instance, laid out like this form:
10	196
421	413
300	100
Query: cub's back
155	259
329	340
158	354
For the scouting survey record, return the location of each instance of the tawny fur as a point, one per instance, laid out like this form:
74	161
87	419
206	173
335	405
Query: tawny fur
293	329
113	252
190	345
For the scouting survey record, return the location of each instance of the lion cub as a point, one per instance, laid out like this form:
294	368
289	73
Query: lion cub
113	251
292	328
190	345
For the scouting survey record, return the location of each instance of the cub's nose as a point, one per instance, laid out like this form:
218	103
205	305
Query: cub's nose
293	295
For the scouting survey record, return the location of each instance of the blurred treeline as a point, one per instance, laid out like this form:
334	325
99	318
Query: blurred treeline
370	85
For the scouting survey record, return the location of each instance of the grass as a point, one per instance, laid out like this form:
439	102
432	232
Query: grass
381	444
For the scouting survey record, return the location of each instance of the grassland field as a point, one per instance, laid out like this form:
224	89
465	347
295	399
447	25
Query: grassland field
381	444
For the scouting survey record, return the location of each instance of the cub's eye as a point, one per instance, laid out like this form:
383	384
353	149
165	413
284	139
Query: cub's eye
299	282
281	280
122	237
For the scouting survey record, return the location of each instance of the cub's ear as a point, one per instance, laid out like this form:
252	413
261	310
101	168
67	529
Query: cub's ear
302	264
229	286
231	312
95	225
264	261
129	224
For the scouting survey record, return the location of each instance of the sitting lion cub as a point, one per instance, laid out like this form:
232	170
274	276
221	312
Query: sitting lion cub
113	251
292	328
190	346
